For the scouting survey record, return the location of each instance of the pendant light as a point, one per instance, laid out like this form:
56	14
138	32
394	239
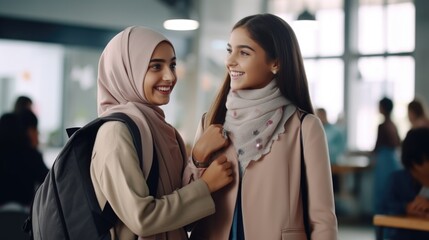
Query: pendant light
181	20
306	16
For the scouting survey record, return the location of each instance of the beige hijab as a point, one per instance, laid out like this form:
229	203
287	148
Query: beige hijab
122	69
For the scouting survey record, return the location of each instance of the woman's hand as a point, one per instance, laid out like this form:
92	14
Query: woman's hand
213	139
218	174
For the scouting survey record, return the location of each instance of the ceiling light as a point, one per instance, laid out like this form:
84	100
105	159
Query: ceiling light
181	24
306	16
180	19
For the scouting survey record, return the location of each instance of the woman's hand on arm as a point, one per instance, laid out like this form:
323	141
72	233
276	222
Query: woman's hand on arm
212	140
218	174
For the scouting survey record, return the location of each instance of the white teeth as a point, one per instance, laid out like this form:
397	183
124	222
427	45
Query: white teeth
163	89
236	74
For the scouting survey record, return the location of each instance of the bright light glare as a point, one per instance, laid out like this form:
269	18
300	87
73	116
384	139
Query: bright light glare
181	24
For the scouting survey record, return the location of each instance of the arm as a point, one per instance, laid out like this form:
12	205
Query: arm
211	141
207	143
116	170
378	139
320	192
399	192
38	166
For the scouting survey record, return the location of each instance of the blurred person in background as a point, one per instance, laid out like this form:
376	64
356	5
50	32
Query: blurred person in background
408	189
22	103
30	124
21	165
417	114
336	142
386	158
334	135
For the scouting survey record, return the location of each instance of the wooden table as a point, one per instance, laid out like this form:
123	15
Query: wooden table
350	165
405	222
347	168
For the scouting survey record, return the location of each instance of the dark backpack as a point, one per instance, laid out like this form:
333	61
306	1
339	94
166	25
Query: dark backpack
65	205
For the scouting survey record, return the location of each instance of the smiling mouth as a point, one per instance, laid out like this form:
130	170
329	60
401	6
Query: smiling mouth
164	89
236	74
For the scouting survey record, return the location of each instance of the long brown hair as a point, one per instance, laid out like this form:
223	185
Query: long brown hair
278	40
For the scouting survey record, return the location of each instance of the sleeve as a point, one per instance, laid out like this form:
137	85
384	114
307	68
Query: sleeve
191	172
38	167
319	178
395	204
117	171
401	189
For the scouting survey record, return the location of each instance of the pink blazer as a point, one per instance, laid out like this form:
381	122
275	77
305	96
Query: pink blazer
271	193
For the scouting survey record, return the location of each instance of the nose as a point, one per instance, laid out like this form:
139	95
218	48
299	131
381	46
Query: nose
169	75
230	60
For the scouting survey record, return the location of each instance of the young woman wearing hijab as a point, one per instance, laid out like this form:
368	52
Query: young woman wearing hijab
136	75
259	107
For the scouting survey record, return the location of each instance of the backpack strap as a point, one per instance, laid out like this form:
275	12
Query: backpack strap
304	187
108	216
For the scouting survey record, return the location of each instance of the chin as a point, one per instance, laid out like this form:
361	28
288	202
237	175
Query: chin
235	87
164	102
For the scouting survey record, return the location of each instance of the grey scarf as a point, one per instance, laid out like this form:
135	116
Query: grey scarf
254	120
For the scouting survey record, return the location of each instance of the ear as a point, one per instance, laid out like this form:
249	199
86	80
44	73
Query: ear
275	67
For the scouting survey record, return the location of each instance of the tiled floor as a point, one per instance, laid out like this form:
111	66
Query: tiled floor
355	228
356	233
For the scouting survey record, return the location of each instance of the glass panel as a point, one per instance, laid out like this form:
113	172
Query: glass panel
371	29
366	92
325	37
326	78
80	86
400	71
372	69
307	35
392	77
33	69
331	32
400	30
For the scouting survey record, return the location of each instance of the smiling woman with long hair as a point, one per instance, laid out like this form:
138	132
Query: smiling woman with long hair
259	108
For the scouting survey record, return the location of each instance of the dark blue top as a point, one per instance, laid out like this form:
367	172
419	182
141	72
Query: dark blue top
401	189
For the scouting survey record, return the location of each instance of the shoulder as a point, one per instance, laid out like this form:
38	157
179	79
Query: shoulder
309	120
112	132
113	139
304	120
112	129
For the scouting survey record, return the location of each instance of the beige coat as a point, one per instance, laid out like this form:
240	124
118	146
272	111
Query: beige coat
271	196
116	175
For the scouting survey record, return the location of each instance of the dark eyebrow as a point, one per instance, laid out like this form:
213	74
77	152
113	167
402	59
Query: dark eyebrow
162	60
242	46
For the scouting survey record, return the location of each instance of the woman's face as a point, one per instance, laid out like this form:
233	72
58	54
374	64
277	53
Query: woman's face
247	62
161	75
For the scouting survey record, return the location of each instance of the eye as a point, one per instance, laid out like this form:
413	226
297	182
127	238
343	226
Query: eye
244	53
173	66
155	66
229	50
